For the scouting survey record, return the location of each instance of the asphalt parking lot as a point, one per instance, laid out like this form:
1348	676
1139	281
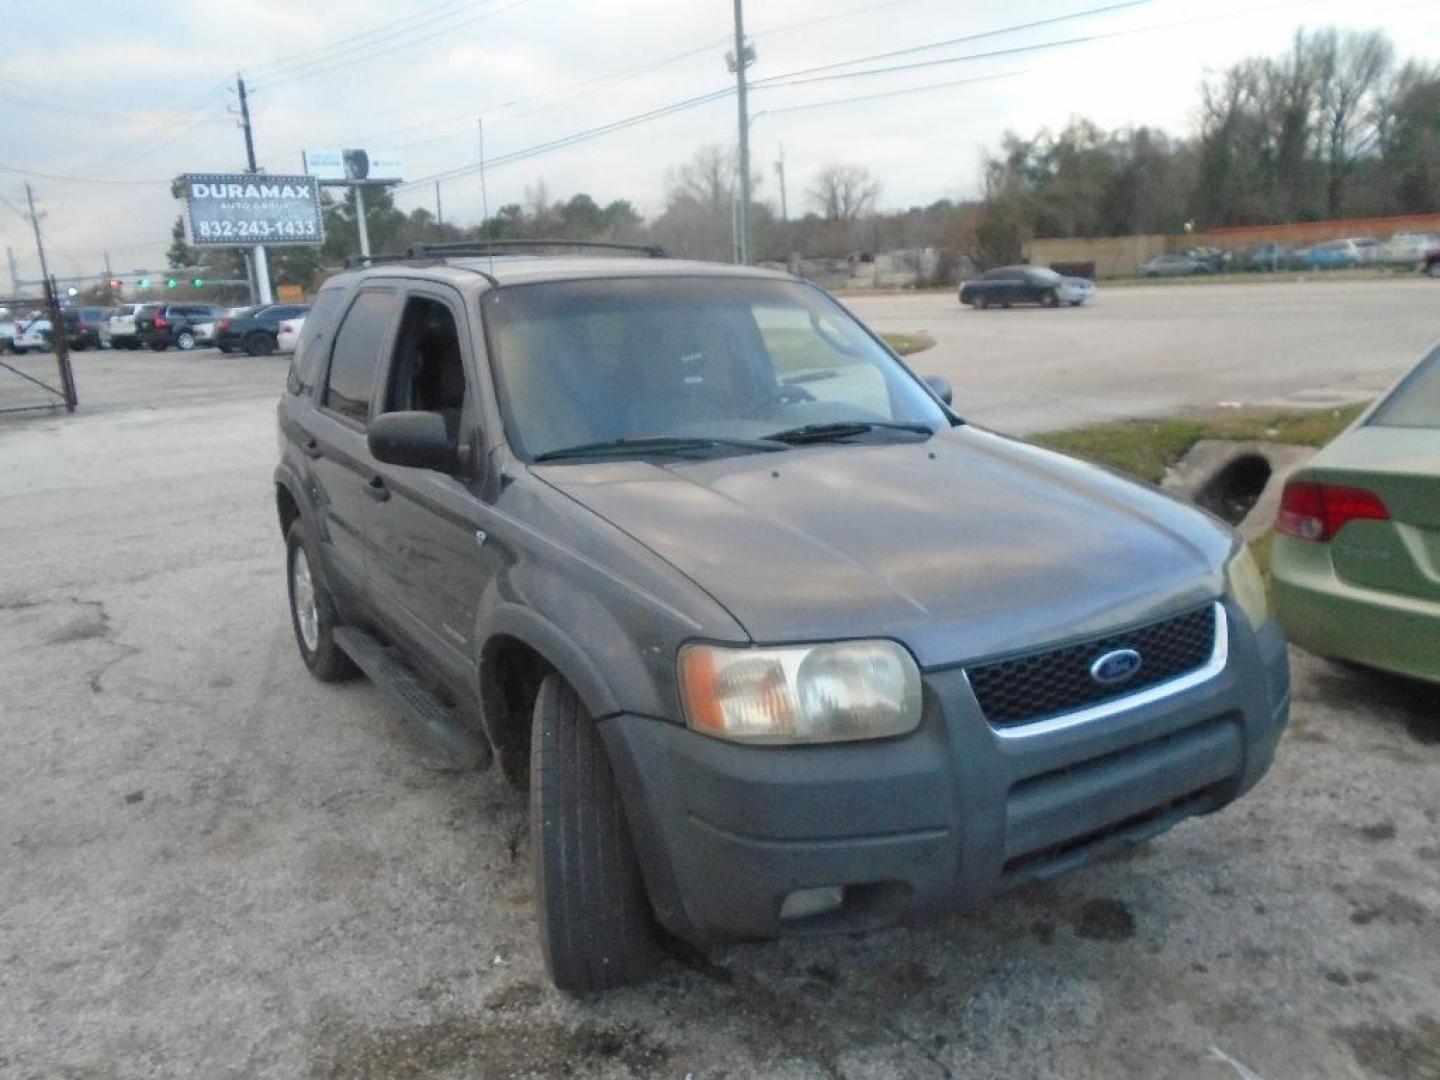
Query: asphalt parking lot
211	865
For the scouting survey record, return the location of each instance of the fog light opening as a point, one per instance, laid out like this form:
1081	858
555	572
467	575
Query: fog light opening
807	903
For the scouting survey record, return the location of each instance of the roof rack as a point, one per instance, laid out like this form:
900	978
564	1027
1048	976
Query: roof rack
500	247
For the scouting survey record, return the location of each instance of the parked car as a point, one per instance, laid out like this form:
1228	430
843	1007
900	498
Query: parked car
1172	265
1357	535
121	327
288	333
158	326
29	332
1369	251
1263	257
1331	255
83	325
1214	259
1008	285
204	330
255	329
777	642
1411	249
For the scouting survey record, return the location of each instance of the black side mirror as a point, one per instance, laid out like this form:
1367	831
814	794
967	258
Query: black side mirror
941	386
421	440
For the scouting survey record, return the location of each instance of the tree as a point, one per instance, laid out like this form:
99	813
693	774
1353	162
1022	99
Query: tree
706	180
180	254
843	192
1352	72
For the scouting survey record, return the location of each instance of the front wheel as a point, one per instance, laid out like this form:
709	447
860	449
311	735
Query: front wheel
596	931
259	344
1050	298
982	301
312	614
185	340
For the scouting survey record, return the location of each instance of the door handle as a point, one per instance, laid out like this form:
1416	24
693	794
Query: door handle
376	489
310	448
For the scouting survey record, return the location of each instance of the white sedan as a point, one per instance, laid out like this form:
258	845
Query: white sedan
288	333
1075	290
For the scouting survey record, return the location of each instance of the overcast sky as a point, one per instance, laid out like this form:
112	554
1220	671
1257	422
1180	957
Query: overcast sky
138	92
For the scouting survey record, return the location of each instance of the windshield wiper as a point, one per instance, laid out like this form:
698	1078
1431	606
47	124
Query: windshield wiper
845	429
656	444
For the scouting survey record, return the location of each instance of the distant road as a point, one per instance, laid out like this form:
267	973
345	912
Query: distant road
1154	351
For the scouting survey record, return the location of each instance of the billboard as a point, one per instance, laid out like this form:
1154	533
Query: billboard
355	166
241	209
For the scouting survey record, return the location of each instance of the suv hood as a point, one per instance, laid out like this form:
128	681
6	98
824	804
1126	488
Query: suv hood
965	545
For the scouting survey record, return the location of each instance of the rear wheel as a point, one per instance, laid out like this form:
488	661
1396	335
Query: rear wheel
1050	298
259	344
185	340
159	346
596	930
982	301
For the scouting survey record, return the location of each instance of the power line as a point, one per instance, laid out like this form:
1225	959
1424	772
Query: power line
380	32
888	94
307	72
571	139
964	39
790	78
75	179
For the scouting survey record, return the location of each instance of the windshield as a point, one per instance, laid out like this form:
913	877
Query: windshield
1416	401
585	362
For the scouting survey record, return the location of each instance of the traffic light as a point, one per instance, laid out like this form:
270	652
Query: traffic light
170	283
197	282
144	283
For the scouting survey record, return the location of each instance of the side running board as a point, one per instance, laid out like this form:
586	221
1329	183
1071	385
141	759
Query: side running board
443	729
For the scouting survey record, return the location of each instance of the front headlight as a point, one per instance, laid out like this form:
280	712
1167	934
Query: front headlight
800	693
1247	586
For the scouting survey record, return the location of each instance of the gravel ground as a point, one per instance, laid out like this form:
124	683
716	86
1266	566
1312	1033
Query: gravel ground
211	865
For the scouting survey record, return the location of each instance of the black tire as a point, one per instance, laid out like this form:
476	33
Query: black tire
259	344
19	350
596	929
325	659
185	341
226	348
158	346
1433	268
1050	298
982	302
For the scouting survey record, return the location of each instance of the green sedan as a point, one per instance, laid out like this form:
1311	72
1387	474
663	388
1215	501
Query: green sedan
1356	562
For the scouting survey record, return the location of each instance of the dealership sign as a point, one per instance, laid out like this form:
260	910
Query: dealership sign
241	209
354	166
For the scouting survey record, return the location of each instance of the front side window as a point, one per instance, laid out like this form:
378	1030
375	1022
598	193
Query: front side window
427	373
309	348
1416	401
357	354
705	358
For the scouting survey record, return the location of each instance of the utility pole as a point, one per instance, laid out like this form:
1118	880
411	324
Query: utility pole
439	214
14	270
262	266
35	223
780	170
739	60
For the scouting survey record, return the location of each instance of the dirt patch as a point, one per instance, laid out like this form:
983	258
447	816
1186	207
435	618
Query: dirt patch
1103	919
488	1047
1402	1053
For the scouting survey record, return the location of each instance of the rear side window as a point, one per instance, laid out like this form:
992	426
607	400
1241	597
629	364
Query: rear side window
1416	401
357	354
310	348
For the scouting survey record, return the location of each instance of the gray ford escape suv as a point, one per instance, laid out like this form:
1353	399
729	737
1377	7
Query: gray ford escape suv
779	644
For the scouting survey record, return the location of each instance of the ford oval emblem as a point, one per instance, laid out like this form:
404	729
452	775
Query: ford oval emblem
1116	667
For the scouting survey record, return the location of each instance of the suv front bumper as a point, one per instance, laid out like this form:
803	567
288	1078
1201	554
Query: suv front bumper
942	818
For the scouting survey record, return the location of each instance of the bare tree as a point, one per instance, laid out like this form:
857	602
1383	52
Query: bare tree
1352	71
707	179
844	192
